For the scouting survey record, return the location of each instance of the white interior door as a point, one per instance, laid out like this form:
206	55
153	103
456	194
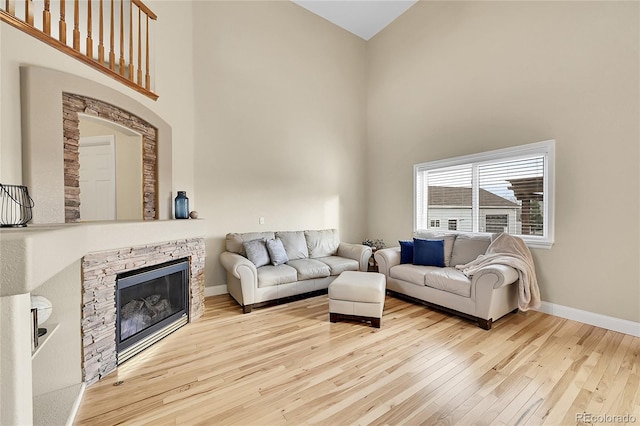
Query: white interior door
97	178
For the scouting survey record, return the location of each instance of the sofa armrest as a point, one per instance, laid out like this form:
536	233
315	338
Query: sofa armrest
496	275
244	271
358	252
485	283
386	258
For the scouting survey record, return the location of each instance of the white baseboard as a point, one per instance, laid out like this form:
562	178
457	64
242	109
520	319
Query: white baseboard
591	318
215	290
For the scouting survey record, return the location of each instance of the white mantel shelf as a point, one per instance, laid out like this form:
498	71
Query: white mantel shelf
32	255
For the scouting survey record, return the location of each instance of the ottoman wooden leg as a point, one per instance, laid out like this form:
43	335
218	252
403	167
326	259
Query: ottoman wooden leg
333	317
375	322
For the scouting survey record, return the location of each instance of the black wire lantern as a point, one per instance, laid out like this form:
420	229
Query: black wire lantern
15	206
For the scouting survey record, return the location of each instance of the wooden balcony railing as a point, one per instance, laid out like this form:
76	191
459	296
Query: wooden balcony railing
127	27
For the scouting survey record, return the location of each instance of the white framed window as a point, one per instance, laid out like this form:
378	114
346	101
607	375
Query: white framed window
506	190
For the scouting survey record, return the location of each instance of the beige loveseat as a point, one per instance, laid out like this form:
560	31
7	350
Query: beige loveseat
314	259
488	295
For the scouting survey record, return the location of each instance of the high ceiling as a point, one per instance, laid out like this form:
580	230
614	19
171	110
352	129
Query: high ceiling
364	18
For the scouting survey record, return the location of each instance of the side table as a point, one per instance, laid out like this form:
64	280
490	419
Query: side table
373	265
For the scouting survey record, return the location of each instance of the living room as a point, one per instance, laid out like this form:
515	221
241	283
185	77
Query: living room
276	113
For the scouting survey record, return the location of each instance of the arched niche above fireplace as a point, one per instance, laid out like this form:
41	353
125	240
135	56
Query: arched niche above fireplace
43	141
74	109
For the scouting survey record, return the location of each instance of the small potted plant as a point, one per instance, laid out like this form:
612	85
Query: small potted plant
376	244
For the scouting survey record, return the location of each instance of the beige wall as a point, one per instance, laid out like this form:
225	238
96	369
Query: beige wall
280	123
455	78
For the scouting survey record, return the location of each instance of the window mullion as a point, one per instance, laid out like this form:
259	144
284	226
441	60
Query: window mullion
475	198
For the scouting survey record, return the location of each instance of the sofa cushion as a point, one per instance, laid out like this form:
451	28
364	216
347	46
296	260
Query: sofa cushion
410	273
428	252
339	264
310	268
276	252
450	280
406	251
234	240
468	247
322	243
448	238
257	252
294	244
270	275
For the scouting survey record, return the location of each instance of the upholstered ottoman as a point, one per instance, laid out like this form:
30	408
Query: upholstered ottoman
357	295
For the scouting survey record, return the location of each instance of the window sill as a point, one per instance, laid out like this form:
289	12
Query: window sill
538	244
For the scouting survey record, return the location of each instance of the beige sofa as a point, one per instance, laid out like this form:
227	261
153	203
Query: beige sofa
314	258
485	297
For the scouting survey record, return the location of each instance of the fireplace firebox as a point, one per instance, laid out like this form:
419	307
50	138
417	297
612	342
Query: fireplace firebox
151	303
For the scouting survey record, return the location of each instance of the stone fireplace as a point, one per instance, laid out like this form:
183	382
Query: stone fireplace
99	275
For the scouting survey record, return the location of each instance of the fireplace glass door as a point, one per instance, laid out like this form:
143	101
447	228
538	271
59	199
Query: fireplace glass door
149	300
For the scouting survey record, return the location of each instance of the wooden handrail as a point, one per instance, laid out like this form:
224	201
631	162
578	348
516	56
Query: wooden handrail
59	41
145	9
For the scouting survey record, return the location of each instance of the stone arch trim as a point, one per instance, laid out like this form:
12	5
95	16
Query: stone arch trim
73	104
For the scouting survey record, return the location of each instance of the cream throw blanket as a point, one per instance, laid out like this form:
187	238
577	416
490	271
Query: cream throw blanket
511	251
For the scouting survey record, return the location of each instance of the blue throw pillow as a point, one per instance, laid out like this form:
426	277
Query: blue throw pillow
406	251
428	252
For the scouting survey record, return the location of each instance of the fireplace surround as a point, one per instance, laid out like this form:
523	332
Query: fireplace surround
99	280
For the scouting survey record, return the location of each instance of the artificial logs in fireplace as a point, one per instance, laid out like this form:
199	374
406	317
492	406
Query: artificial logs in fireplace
150	304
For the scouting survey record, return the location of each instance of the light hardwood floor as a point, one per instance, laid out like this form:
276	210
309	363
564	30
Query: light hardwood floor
288	364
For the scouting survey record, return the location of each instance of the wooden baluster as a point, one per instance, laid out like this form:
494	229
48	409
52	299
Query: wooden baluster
122	37
10	7
28	12
76	24
46	17
131	67
89	27
112	55
139	48
101	37
147	83
62	25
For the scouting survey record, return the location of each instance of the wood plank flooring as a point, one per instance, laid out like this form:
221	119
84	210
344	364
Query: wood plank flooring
288	364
